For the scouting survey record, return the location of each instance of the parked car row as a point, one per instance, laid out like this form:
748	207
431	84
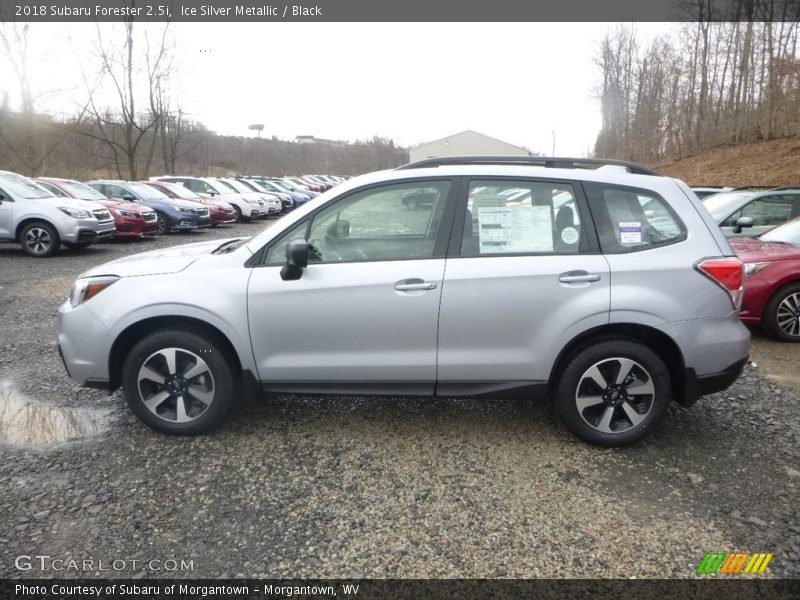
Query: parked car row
45	213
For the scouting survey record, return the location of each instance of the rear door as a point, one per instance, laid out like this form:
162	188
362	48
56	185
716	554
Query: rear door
523	277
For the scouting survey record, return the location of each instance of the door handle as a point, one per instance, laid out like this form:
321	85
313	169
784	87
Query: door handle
412	287
578	277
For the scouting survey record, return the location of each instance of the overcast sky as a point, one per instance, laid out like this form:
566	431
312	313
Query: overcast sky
412	82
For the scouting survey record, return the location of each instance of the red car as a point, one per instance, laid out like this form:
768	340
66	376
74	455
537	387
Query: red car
220	212
772	280
131	220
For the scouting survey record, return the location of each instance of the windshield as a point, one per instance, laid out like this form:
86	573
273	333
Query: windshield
76	189
22	187
284	185
721	205
220	187
236	185
253	185
51	188
178	190
145	191
788	233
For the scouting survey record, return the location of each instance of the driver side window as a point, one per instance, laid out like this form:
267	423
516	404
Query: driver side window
391	222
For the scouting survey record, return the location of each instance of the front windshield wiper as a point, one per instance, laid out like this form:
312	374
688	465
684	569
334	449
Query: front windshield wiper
229	246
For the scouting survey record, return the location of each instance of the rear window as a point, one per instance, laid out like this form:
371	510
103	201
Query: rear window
632	219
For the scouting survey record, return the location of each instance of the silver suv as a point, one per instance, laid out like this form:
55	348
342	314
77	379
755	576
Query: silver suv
40	221
609	290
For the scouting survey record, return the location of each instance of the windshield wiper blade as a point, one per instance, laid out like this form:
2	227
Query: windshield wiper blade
226	246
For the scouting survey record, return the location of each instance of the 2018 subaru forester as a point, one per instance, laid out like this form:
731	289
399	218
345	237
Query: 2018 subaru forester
610	290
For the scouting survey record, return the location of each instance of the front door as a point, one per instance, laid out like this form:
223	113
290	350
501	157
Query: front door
364	314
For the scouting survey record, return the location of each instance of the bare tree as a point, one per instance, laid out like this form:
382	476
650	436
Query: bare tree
129	131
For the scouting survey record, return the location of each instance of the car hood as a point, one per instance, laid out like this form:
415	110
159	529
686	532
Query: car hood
71	203
122	205
156	262
755	250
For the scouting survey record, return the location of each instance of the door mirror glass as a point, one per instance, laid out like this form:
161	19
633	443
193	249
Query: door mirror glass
296	260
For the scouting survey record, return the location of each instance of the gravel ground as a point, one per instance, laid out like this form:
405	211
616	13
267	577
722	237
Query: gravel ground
382	487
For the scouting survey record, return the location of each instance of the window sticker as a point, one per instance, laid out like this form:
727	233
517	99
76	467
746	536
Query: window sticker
630	232
569	235
518	229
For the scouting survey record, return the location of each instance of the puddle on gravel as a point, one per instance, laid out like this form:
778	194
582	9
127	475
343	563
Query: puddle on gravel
26	422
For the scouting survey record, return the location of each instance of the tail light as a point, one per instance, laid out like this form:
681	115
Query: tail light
728	273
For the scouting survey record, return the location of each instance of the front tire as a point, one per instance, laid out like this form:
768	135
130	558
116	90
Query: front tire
613	393
79	246
178	382
39	239
782	314
163	224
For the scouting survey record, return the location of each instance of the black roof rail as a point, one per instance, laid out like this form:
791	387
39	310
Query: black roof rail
537	161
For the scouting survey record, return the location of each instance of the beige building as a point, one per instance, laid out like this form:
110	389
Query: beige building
466	143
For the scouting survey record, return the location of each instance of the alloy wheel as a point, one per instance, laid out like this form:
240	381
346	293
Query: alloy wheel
788	315
175	385
615	395
38	240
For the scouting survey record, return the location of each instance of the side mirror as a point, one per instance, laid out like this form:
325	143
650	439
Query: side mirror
128	198
296	260
742	222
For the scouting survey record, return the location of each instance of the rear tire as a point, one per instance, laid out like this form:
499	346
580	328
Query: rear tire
178	382
39	239
613	393
782	314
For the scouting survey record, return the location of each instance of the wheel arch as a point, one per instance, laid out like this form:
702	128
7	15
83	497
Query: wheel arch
658	341
28	221
136	331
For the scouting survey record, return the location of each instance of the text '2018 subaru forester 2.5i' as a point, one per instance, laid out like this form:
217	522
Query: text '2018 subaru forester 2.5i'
610	290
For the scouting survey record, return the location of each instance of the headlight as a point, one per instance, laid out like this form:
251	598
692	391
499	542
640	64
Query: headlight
126	213
753	268
249	201
83	289
75	213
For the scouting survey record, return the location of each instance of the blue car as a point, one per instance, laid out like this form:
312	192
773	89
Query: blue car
173	214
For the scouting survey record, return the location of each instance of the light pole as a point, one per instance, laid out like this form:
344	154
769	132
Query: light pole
554	142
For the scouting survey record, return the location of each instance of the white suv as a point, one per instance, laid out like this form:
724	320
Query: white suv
40	221
610	292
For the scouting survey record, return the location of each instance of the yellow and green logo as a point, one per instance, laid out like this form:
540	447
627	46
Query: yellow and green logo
732	563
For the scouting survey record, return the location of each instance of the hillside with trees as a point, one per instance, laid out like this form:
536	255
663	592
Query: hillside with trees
710	84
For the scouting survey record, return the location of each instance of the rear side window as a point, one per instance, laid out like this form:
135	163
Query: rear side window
521	217
631	219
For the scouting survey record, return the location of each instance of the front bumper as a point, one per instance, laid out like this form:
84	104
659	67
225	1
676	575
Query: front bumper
86	230
189	222
133	227
83	343
222	217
